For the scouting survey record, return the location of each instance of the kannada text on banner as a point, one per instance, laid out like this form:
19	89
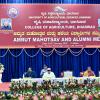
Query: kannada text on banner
49	26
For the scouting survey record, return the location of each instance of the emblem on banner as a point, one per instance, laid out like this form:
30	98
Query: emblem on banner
13	12
59	9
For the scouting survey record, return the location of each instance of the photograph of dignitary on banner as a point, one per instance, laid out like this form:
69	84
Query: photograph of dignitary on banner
6	24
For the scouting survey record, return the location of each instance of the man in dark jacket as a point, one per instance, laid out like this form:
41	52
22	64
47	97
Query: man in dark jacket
30	73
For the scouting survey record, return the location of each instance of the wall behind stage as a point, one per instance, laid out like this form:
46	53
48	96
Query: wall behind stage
16	66
53	1
17	61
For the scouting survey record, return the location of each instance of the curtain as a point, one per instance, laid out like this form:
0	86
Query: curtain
16	64
17	61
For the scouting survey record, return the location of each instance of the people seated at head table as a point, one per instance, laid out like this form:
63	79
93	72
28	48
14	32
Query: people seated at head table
87	73
66	73
30	73
49	74
43	70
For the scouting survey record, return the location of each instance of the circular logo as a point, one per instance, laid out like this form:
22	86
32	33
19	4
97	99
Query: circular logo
13	12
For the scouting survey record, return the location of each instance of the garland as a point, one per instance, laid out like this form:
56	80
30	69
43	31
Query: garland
47	54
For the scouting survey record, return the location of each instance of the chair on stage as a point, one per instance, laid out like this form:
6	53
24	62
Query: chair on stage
67	74
99	73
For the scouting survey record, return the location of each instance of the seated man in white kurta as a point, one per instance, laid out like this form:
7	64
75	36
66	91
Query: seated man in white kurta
49	74
1	71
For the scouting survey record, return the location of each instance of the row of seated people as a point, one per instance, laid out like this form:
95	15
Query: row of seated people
47	73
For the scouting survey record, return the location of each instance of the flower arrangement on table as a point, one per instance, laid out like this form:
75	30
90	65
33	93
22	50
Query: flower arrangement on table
8	96
2	95
57	90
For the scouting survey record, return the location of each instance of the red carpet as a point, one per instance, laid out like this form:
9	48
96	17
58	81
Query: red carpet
4	86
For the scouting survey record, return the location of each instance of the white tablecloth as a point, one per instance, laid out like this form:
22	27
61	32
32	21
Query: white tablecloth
72	79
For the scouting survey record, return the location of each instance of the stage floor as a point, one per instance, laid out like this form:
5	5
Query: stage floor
5	86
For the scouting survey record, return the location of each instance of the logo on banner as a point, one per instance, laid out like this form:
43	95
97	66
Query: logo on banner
59	9
13	12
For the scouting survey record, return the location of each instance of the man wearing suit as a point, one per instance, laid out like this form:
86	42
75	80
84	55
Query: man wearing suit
30	73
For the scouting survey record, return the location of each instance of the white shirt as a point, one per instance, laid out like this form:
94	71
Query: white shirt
42	72
48	76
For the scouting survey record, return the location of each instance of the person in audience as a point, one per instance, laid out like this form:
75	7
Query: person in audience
49	74
66	73
43	70
30	73
88	72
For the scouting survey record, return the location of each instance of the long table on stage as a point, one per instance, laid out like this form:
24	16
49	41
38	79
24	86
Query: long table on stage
5	86
80	80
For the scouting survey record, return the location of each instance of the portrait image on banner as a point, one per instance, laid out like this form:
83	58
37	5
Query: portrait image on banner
6	24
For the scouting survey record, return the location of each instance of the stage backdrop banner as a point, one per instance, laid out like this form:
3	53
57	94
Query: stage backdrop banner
49	26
